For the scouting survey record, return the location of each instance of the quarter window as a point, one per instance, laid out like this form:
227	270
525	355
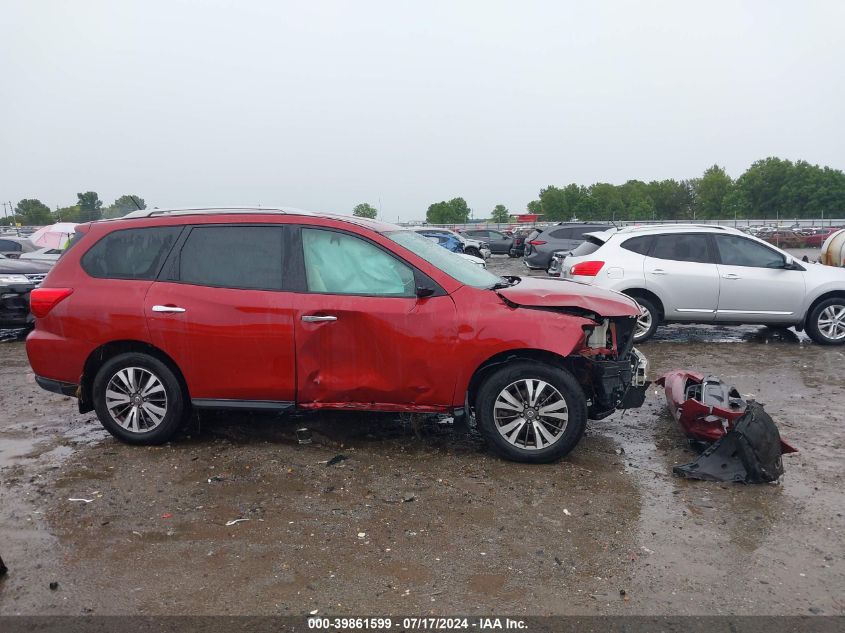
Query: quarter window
338	263
246	257
682	247
738	251
130	253
638	244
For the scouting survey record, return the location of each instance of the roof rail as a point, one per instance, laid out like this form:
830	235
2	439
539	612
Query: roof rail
149	213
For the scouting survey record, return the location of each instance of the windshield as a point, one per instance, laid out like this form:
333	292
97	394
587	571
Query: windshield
450	263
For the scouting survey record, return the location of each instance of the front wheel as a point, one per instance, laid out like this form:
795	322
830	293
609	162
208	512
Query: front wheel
139	399
826	323
530	412
474	252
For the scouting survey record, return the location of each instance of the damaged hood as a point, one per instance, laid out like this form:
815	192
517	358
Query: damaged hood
551	293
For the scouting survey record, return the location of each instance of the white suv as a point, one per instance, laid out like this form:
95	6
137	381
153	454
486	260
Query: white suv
711	274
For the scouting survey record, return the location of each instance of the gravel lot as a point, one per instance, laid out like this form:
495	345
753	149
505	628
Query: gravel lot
430	524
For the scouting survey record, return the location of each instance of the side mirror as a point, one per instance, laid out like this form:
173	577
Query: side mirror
789	263
423	292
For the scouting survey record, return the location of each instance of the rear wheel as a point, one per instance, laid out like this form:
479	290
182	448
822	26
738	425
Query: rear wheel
530	412
826	323
647	322
138	399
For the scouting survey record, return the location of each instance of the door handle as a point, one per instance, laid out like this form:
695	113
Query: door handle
658	271
731	276
168	309
308	318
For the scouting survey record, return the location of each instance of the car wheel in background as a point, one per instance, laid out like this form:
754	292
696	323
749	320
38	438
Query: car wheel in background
647	322
473	251
826	323
530	412
138	399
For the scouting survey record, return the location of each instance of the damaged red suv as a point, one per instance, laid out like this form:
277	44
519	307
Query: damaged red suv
151	315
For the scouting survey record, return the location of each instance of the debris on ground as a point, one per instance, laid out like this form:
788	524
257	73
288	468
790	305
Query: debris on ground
705	407
744	442
54	585
80	499
750	453
234	521
335	460
303	435
3	568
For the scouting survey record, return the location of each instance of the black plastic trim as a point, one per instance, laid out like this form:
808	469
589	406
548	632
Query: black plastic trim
57	386
214	403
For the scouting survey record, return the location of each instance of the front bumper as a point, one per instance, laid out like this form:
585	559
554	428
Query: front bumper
617	384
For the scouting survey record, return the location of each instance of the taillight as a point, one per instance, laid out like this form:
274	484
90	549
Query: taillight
42	300
536	242
586	269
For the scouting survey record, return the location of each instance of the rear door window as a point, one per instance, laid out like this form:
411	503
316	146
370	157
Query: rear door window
245	257
682	247
130	253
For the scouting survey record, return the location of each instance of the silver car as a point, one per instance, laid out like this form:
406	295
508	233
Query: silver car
712	274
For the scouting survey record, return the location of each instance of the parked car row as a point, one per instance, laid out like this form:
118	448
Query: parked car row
792	237
18	277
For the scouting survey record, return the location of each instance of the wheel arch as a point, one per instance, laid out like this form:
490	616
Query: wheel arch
831	294
646	294
497	360
103	353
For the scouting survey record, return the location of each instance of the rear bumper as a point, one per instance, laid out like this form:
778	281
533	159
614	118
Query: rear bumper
538	260
57	386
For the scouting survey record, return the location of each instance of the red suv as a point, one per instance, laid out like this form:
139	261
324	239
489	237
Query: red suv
147	316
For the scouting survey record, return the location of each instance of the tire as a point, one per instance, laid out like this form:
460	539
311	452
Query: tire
473	251
648	323
519	440
826	322
129	376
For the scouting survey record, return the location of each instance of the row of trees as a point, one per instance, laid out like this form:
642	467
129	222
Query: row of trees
33	212
769	188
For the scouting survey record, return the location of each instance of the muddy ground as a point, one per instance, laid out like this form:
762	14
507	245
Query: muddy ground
431	524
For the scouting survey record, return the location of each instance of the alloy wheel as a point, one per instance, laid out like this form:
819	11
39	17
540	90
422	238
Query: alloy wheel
831	322
643	323
136	399
531	414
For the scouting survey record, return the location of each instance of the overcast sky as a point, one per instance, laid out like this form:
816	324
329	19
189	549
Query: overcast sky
322	105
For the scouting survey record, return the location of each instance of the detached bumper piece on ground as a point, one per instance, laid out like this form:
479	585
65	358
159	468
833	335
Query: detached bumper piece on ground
744	443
